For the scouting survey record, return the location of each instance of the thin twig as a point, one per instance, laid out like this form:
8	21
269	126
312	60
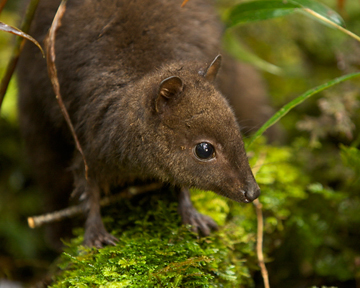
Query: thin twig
259	243
128	193
25	27
260	229
50	58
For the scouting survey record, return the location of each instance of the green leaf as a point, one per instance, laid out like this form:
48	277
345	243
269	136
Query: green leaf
238	51
259	10
263	10
320	9
285	109
324	15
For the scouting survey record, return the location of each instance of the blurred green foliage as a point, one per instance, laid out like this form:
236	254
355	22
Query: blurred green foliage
23	252
318	230
8	109
310	184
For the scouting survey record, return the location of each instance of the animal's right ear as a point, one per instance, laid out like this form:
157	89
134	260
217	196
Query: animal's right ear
169	89
213	69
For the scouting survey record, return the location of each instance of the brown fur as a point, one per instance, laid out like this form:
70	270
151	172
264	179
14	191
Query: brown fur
113	58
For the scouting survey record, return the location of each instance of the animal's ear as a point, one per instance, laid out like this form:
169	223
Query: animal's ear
213	69
169	89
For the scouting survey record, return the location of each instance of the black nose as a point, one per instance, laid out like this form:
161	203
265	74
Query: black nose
252	193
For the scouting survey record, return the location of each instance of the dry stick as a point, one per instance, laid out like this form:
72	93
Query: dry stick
128	193
260	225
259	243
50	58
25	27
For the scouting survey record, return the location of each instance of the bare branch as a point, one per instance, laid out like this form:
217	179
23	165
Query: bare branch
128	193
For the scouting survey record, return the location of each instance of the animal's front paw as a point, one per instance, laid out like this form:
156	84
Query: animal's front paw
189	215
199	222
98	237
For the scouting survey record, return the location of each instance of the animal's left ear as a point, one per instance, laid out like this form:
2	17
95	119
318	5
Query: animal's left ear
213	69
169	89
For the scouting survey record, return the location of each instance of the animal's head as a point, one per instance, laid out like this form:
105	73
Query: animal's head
197	135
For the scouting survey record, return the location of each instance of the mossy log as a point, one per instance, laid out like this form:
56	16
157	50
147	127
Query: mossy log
155	250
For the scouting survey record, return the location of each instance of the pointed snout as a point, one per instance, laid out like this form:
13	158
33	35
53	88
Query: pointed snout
252	192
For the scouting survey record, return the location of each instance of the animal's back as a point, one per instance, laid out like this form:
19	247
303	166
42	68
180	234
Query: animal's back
104	50
119	40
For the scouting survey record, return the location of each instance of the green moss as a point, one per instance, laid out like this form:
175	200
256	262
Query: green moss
155	250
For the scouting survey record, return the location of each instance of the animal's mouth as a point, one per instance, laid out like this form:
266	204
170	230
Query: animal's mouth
250	196
244	198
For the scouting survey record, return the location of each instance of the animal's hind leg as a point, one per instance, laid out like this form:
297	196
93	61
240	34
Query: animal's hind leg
95	232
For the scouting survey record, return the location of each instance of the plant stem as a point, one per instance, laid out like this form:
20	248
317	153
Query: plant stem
50	58
30	12
128	193
260	227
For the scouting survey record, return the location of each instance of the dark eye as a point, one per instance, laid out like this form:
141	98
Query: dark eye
204	151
